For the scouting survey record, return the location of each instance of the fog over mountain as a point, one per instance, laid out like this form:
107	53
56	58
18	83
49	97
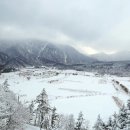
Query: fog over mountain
78	28
119	56
90	26
37	53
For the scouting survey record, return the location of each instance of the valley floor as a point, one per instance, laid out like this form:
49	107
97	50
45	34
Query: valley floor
71	91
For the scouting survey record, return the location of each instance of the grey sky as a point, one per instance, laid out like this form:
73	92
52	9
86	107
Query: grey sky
89	25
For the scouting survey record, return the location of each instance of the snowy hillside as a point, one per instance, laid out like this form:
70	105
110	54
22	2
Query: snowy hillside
22	53
72	91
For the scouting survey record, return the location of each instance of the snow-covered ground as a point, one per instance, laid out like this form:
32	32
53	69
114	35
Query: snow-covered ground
70	91
28	127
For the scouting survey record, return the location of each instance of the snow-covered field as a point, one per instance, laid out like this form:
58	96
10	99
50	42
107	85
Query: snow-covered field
71	91
28	127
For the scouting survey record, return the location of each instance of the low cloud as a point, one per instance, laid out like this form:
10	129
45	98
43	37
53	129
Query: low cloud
90	26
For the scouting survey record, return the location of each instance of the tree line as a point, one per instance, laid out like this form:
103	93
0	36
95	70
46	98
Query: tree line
14	115
118	121
46	117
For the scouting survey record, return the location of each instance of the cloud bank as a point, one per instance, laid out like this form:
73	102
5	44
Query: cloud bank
89	25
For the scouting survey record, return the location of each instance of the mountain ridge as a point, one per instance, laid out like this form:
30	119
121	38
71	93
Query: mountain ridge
21	53
119	56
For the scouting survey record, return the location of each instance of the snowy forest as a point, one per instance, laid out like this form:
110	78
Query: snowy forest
15	114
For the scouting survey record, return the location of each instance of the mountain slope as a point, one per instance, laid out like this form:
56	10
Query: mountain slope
3	58
38	53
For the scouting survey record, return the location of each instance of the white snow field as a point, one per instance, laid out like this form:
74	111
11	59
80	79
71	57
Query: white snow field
71	91
28	127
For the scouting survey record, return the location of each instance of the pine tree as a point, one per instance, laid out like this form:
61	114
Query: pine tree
99	125
54	118
109	125
71	122
115	121
81	123
128	115
43	109
122	117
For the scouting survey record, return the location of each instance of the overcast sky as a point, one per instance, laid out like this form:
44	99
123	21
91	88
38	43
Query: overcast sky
90	25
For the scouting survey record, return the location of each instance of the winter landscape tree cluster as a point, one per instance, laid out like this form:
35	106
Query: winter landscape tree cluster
46	117
13	114
120	121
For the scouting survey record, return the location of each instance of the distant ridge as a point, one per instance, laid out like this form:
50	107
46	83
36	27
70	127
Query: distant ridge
21	53
119	56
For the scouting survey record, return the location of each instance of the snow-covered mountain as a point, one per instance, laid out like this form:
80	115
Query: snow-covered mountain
37	53
3	58
119	56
